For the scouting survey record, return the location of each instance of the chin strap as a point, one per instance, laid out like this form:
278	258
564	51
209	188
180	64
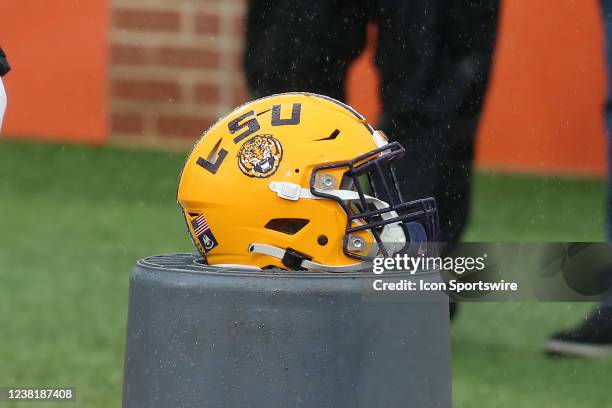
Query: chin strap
293	192
295	260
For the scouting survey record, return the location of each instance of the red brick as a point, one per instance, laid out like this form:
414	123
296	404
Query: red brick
146	20
239	26
183	126
145	90
180	56
241	94
207	93
207	24
132	54
236	60
128	123
188	57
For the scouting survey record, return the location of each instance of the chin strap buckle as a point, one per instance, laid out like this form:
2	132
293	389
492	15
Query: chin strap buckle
293	259
286	190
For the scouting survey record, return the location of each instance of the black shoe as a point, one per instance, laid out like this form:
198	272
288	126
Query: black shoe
592	339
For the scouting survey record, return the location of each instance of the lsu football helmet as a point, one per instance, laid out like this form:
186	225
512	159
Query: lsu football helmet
298	181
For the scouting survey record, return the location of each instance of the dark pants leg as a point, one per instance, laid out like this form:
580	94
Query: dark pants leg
434	59
606	11
296	45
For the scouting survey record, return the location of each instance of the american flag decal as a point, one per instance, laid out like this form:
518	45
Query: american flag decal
200	225
203	232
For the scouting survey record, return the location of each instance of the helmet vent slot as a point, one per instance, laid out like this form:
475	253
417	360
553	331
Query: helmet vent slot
287	226
332	136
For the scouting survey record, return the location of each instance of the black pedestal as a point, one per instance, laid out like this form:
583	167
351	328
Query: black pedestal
199	336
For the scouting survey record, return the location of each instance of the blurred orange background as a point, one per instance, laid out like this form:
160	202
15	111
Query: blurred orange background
59	54
543	110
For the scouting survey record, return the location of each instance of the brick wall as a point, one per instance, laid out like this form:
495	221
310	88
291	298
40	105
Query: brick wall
175	67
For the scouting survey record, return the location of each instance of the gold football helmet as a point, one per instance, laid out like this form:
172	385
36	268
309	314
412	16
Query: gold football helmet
298	181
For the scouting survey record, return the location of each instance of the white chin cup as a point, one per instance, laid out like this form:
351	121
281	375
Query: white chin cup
392	235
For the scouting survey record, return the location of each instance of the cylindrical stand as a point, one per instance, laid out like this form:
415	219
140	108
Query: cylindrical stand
200	336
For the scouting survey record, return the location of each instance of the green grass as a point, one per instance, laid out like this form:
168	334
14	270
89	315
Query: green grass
73	220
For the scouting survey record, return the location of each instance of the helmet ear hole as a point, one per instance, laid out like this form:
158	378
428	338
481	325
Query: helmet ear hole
289	226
